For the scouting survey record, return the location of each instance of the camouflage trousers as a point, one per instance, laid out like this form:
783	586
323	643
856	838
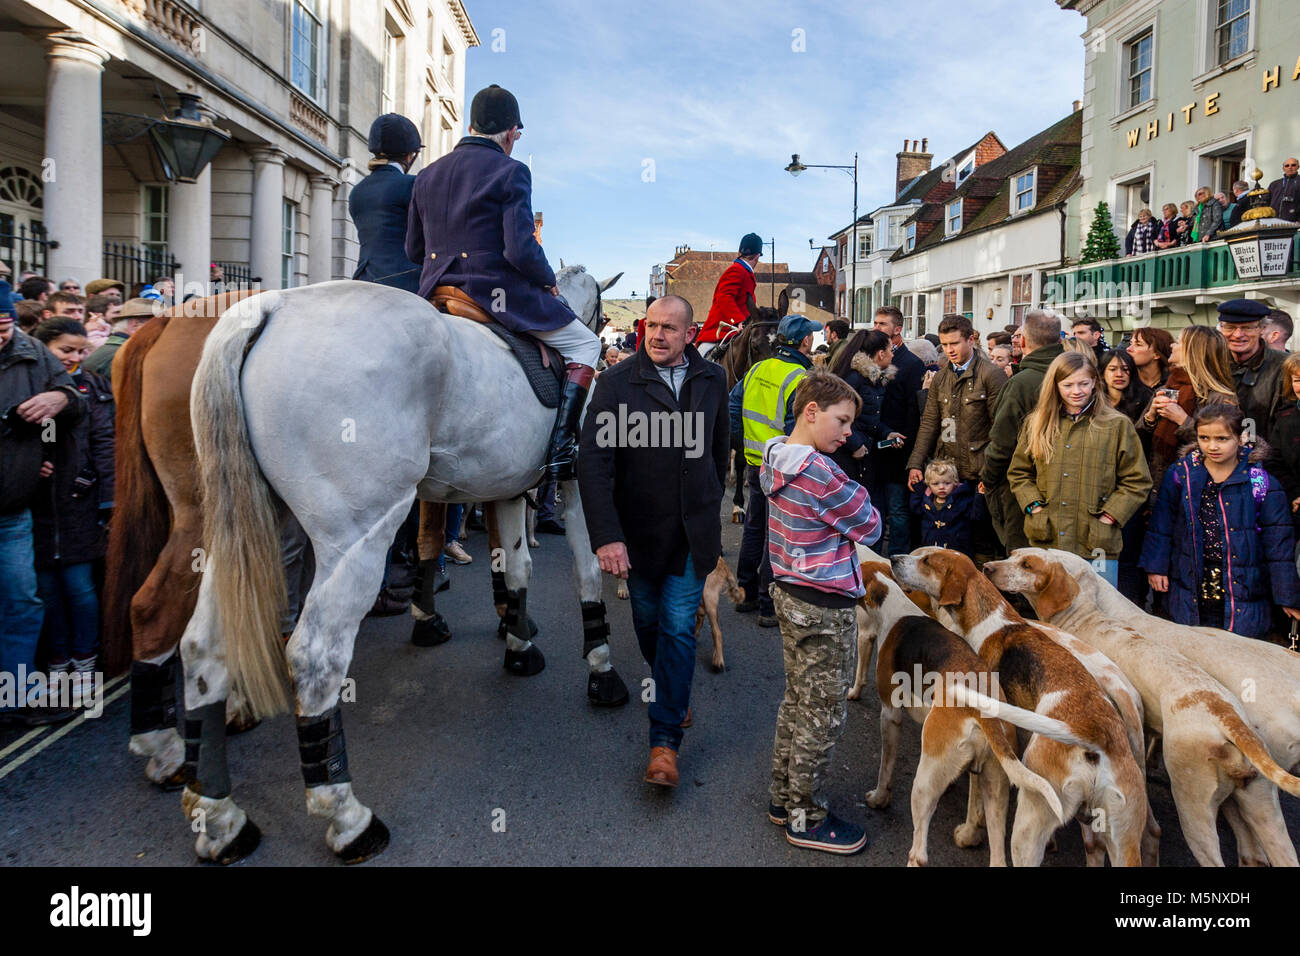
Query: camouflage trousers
820	648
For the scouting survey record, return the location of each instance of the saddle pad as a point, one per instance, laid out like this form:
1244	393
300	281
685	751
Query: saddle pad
546	382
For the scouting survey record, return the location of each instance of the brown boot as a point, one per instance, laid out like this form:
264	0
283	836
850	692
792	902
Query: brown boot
663	767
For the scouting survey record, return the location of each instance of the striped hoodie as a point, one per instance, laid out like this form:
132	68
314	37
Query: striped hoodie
814	514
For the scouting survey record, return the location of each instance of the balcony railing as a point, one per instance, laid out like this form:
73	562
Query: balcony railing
22	248
1182	272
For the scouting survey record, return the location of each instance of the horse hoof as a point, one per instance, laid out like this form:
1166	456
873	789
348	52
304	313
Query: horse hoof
372	842
503	629
431	632
525	663
244	843
240	724
170	784
606	689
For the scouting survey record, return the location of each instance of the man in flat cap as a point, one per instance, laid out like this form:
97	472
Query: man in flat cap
733	298
471	225
1256	368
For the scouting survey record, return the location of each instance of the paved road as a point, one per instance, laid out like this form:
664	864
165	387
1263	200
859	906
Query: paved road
441	739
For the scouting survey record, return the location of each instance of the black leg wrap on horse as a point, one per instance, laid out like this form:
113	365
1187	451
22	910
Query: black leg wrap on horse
322	750
595	629
504	626
430	628
528	662
498	587
205	769
153	695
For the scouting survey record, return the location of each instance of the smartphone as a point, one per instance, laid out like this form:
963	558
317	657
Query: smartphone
887	443
1169	393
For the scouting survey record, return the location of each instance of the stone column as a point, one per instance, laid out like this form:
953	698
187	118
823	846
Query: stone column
190	224
320	245
265	240
74	193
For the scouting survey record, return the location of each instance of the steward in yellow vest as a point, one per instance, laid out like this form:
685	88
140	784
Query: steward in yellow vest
760	402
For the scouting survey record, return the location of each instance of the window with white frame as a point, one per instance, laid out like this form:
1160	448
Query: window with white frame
965	169
911	236
288	243
447	61
864	244
1022	296
826	263
1139	68
308	49
952	221
959	300
1231	29
920	314
1024	191
895	231
153	225
950	300
390	90
908	308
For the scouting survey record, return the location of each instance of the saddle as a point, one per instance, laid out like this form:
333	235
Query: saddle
543	366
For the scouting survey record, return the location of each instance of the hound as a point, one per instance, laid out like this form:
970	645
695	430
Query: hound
1098	775
1210	750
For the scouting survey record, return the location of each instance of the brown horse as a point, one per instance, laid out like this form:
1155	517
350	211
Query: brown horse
154	548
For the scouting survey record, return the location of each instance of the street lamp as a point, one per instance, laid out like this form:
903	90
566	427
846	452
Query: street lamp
188	141
794	169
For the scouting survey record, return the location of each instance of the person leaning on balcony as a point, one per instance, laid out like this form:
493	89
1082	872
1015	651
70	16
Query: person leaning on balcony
1167	228
1235	208
1255	367
1284	193
1145	232
1183	228
1208	218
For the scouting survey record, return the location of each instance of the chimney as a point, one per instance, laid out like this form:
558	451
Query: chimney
912	163
1077	105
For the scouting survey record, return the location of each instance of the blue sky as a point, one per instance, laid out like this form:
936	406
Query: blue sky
707	100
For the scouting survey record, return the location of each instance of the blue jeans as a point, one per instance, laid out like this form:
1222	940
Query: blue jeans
454	514
21	610
71	611
663	614
898	519
754	567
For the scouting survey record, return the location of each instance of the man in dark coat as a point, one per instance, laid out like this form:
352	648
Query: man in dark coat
1284	193
652	470
471	225
33	388
1256	368
901	412
380	204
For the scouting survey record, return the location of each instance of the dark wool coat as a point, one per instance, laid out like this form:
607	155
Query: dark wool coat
663	502
1257	387
1259	563
869	380
66	530
471	226
952	525
28	368
1284	457
379	206
900	411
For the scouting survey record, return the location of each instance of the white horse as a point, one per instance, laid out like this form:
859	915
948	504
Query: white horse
401	401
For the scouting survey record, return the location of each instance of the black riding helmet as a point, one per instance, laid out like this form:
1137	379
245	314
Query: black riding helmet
394	135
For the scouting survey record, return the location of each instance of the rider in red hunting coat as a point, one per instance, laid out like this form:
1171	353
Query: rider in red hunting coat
733	298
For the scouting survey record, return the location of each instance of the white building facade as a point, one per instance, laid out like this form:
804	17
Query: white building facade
296	84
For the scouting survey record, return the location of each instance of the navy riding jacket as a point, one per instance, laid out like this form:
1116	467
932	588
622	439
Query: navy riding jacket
378	206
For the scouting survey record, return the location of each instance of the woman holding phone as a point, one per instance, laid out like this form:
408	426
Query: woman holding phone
865	363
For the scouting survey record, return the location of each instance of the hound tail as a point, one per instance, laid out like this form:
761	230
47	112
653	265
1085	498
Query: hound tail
240	528
1247	741
990	707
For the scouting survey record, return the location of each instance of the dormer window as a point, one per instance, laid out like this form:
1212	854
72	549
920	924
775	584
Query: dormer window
965	169
911	236
1024	191
952	224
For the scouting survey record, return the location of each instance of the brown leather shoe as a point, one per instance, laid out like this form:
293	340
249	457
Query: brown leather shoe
663	767
689	720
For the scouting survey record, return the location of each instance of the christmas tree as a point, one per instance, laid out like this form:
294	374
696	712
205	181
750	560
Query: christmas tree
1101	242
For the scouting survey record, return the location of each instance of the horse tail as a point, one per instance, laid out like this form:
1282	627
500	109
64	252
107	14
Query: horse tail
141	519
240	527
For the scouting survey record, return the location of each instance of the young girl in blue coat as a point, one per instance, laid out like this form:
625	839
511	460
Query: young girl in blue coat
1220	540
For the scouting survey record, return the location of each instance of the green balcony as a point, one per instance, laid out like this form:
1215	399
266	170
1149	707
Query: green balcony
1176	281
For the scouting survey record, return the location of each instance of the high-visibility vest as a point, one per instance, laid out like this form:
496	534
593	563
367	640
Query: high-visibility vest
768	387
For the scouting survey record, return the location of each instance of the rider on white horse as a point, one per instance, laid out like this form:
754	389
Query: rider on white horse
471	225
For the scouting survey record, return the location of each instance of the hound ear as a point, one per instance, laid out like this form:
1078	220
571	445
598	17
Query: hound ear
609	282
1057	592
953	590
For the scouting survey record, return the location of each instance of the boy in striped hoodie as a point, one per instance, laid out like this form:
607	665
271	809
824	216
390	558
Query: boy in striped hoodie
815	514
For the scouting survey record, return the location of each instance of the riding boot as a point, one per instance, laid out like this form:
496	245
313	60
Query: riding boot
562	449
